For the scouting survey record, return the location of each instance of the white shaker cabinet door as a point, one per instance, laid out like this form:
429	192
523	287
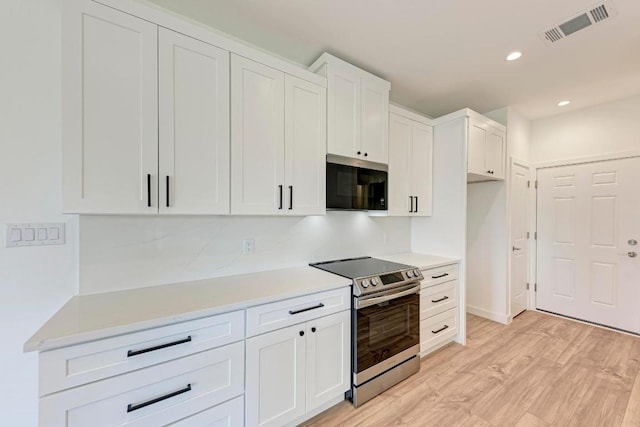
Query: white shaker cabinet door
375	122
305	147
328	358
476	150
275	377
422	169
494	151
194	126
257	138
344	112
400	142
110	111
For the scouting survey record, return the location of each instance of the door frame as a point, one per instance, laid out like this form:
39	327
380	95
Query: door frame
533	242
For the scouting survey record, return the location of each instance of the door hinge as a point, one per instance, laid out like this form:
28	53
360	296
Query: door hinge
535	287
528	184
536	184
535	235
527	286
528	234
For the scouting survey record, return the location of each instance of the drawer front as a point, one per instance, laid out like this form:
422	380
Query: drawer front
268	317
438	330
155	396
229	414
435	276
83	363
438	298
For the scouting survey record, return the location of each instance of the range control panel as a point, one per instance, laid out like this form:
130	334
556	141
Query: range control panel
372	284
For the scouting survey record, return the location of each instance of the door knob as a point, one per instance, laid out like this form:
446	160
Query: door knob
632	242
632	254
516	249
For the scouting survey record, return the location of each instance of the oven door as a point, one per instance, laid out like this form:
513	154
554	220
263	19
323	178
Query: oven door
385	333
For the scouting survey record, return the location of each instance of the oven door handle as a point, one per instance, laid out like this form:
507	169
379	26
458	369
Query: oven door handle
362	303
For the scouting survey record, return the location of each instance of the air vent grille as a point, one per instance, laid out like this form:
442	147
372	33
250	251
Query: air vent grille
579	22
599	13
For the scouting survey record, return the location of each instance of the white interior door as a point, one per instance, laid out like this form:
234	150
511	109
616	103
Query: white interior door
588	220
519	240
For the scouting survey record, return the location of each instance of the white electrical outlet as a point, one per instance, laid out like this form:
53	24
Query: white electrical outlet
35	234
248	246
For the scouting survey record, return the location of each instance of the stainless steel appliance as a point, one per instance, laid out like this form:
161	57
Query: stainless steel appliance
354	184
385	331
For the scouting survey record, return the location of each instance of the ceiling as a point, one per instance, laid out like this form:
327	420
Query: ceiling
443	55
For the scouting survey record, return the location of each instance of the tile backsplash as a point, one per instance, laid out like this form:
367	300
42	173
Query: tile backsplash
125	252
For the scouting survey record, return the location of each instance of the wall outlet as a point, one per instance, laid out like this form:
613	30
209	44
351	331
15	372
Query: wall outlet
248	247
35	234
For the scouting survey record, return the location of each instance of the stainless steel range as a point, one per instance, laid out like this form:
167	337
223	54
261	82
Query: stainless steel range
385	331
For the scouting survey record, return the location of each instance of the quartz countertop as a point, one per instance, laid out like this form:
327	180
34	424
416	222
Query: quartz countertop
91	317
422	261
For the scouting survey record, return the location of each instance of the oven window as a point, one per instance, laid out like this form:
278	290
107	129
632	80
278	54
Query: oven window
385	330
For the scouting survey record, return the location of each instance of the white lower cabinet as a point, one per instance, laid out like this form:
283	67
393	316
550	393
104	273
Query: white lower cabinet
438	307
229	414
294	370
155	396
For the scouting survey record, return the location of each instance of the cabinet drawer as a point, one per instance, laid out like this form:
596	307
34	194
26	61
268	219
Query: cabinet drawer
229	414
434	276
438	330
83	363
438	298
154	396
268	317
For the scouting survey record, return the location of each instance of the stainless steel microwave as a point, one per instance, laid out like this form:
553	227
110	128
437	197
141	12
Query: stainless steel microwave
354	184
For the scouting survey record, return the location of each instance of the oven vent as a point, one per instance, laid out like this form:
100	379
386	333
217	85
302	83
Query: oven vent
579	22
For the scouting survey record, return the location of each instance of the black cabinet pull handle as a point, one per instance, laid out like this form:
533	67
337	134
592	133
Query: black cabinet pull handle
411	203
313	329
302	310
280	190
131	353
167	190
441	299
439	276
416	204
291	197
149	190
440	330
301	333
131	407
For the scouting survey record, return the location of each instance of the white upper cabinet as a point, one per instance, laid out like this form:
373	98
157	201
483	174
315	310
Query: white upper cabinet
305	146
110	111
410	164
194	126
278	147
358	110
486	150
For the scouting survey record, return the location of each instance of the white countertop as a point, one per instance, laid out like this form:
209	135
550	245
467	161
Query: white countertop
422	261
91	317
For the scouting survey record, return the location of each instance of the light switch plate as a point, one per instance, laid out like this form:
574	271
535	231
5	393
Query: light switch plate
35	234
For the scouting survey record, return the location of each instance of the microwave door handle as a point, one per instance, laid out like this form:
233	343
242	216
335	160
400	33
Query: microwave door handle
377	300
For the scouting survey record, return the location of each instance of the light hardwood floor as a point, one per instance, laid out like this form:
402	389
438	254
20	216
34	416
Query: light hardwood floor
539	371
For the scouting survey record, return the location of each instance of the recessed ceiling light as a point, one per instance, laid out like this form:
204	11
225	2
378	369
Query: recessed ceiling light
563	103
514	55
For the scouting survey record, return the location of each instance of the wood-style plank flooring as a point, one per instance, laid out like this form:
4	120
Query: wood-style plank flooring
539	371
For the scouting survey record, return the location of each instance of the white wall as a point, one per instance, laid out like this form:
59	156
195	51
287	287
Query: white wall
129	252
607	128
34	282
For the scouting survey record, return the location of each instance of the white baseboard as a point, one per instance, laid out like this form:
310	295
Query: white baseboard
491	315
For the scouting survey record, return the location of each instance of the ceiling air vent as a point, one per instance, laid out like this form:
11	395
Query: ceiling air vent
579	22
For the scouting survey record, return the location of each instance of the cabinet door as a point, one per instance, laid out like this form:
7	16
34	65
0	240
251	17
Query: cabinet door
400	141
257	138
494	153
194	126
328	358
476	150
110	111
343	113
275	373
305	147
375	122
422	169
